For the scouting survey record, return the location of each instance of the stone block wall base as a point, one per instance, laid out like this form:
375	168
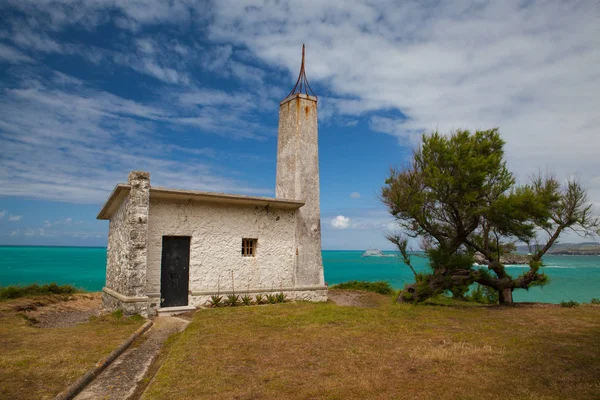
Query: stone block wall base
111	303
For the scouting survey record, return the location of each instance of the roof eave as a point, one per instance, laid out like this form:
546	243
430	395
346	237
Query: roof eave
121	191
223	198
114	201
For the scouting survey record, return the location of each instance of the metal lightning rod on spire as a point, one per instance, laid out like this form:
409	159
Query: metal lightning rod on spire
302	85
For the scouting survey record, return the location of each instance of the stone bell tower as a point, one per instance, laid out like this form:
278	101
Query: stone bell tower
298	176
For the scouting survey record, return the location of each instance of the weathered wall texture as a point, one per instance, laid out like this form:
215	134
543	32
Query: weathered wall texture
127	246
298	178
215	251
117	249
137	220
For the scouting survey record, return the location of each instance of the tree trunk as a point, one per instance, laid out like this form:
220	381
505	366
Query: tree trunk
505	296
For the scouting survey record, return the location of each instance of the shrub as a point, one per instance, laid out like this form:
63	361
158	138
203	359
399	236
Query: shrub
271	298
380	287
569	303
484	295
246	300
281	297
595	301
215	301
233	300
260	299
16	291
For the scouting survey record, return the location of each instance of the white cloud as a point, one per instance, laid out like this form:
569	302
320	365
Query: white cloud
34	232
47	224
11	55
14	218
528	67
2	213
355	195
43	123
30	40
340	222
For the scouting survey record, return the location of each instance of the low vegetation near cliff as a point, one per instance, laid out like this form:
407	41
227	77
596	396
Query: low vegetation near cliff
384	351
16	291
47	342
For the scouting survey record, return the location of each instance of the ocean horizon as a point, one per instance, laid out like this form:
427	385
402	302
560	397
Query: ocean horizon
571	277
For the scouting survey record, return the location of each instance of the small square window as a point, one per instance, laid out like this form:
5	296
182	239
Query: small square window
249	247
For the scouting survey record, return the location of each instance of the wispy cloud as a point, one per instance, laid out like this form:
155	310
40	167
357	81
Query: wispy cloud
103	136
530	68
11	55
15	218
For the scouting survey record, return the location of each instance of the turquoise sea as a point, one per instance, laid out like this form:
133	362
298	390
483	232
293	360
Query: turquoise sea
572	277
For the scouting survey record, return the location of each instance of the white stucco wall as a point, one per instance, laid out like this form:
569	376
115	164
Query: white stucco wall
117	249
216	237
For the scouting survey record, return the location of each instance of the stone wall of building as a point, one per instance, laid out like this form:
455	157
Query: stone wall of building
127	249
216	261
117	250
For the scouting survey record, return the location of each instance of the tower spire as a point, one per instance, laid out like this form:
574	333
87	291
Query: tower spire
302	85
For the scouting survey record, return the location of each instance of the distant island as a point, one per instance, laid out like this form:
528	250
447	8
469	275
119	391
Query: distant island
571	249
560	249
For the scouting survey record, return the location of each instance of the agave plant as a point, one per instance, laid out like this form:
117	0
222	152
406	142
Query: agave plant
215	301
281	297
233	300
260	299
246	300
271	298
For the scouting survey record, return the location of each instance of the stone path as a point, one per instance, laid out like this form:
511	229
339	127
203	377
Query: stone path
120	379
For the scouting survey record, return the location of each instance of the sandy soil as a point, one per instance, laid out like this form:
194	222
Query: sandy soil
75	309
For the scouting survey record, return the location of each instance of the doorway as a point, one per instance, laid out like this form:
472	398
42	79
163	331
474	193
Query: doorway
175	271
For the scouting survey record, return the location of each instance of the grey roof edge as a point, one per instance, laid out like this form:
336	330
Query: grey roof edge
161	192
114	201
121	190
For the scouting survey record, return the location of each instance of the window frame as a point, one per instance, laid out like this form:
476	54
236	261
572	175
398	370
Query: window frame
249	246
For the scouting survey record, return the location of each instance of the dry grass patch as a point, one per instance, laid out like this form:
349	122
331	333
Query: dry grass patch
448	351
37	362
325	351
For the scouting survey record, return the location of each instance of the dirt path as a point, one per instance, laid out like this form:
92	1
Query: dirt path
120	379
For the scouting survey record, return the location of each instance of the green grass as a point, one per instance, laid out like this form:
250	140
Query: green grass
16	291
38	363
324	351
380	287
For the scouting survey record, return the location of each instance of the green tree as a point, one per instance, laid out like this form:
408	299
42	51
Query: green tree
459	197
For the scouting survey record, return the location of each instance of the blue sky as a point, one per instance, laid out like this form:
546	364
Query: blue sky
90	90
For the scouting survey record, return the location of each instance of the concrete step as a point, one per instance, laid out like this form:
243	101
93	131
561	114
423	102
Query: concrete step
168	311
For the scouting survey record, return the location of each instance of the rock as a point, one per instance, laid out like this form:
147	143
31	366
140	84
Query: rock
505	259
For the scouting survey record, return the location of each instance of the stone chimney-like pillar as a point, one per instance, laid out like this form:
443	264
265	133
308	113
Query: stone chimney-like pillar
136	219
126	264
298	178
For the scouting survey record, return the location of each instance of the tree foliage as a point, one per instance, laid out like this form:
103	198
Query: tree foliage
459	197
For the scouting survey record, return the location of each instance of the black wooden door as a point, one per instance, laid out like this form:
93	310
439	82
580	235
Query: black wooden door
175	271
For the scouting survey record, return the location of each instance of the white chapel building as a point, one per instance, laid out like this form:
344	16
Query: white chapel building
171	249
